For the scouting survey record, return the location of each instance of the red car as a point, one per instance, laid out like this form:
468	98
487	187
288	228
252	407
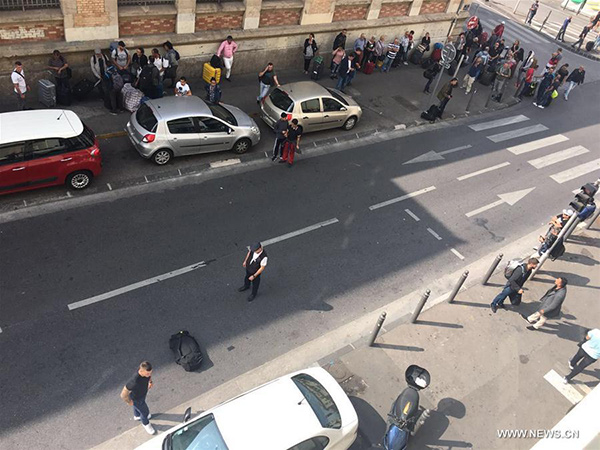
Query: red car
45	148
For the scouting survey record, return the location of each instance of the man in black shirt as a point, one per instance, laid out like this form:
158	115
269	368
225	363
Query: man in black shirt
514	286
134	394
280	129
255	263
292	143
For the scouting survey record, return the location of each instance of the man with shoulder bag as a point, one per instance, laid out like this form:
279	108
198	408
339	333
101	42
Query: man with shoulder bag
514	286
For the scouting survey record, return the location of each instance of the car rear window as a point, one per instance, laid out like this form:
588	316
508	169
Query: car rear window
337	96
145	117
85	140
319	400
281	100
223	114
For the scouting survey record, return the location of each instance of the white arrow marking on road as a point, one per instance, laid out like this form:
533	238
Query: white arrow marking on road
511	198
404	197
435	156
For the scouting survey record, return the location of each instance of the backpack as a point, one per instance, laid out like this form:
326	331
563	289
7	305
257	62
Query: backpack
186	350
117	81
146	79
177	56
511	267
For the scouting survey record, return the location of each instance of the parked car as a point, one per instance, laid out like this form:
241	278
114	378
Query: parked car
46	147
177	126
315	107
301	411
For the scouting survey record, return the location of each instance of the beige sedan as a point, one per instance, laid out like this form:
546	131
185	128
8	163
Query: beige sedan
316	107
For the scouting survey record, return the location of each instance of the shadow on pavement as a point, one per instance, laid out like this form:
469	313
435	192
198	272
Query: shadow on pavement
405	348
370	423
434	428
438	324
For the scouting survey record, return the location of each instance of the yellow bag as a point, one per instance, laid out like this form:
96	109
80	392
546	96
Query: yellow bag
554	93
209	71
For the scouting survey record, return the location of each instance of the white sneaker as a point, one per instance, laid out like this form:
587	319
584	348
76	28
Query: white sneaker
139	418
565	381
570	365
535	104
149	429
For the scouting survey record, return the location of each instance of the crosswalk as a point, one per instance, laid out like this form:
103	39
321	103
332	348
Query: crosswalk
513	31
561	150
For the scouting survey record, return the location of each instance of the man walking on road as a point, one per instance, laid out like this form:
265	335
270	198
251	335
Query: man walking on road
532	12
513	288
266	79
347	66
134	394
551	304
563	28
575	79
227	49
292	142
254	263
588	354
280	130
582	36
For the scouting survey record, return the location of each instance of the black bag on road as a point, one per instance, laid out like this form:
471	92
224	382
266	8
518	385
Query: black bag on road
186	350
82	89
431	114
486	78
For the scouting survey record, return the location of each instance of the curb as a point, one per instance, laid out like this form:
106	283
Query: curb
114	134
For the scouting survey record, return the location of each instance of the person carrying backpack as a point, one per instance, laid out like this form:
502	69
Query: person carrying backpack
116	83
149	79
172	57
514	286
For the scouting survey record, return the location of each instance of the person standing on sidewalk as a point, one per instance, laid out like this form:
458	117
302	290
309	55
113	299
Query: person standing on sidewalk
525	85
430	74
338	54
369	51
472	75
359	44
213	92
563	28
19	85
227	50
575	79
292	142
582	36
346	67
172	59
551	304
532	12
340	40
404	46
588	354
514	286
280	130
392	50
121	57
310	50
134	394
547	79
380	48
60	66
266	79
502	74
255	263
445	94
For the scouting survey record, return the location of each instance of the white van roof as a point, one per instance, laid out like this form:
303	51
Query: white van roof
39	124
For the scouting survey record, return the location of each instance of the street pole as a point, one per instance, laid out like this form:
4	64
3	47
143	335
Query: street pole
516	7
489	99
461	281
458	66
470	99
437	83
420	306
377	328
545	20
593	218
581	6
559	238
491	269
572	228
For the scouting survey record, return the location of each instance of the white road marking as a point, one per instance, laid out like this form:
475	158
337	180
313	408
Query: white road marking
482	171
109	186
266	156
412	214
24	203
434	234
404	197
484	208
435	156
510	197
146	178
498	123
69	194
0	330
534	145
577	171
134	286
457	253
225	163
179	172
292	234
517	133
570	393
554	158
455	149
576	191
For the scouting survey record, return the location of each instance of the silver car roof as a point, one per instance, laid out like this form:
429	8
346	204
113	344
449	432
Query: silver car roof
304	90
175	107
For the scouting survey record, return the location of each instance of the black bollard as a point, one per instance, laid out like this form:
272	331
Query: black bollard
377	328
420	306
492	268
461	281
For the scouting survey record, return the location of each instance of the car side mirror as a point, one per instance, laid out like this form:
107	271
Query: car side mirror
229	130
343	109
187	415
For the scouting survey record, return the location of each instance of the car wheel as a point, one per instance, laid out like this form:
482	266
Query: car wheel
79	180
242	146
349	124
162	156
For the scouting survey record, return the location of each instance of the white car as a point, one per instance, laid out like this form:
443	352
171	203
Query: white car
306	410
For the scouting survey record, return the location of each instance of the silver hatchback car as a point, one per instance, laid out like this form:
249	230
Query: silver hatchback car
315	107
176	126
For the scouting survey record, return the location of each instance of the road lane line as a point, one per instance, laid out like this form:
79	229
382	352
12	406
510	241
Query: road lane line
455	149
225	163
535	145
554	158
576	172
457	253
484	208
434	234
498	123
412	214
134	286
517	133
570	393
404	197
109	186
482	171
292	234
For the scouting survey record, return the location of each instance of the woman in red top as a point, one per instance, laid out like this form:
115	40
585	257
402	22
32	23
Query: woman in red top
527	81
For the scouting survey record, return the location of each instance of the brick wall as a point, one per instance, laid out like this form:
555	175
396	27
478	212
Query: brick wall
320	6
355	12
131	26
433	7
394	9
218	21
49	31
278	17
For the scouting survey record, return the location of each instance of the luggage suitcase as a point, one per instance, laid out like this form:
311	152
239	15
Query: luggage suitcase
416	57
369	67
64	97
209	71
379	63
47	93
131	97
589	46
82	89
186	351
317	69
427	64
431	114
486	78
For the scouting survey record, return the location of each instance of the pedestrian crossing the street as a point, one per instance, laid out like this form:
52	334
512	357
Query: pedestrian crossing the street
513	31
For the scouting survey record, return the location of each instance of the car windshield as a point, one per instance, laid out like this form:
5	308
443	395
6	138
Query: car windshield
222	113
319	400
337	97
145	117
200	434
281	100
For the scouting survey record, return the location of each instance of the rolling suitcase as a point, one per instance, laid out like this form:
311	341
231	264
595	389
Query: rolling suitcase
317	69
209	72
369	67
47	93
486	78
416	57
82	89
64	96
431	114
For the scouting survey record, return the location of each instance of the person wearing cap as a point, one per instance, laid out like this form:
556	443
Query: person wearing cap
560	220
254	263
226	50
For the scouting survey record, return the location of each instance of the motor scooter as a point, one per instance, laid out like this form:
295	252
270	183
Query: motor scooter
405	419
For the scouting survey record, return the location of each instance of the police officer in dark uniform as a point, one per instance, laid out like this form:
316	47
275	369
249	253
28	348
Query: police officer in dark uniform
255	263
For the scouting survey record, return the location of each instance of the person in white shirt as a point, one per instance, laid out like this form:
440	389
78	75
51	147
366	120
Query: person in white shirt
182	89
121	57
161	64
255	263
20	84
